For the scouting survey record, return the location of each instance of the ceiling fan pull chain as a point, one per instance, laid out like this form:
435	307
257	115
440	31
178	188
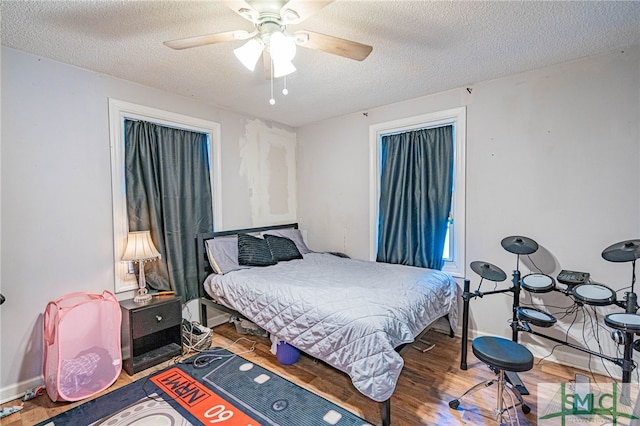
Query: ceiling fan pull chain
284	89
272	101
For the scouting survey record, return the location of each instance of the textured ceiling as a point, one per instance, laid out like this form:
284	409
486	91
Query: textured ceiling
419	47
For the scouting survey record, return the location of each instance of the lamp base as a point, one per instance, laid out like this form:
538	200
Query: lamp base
142	298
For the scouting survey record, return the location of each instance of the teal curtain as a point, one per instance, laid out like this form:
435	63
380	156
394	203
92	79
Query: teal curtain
415	196
169	193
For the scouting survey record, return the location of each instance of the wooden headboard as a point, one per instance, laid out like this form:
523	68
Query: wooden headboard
204	268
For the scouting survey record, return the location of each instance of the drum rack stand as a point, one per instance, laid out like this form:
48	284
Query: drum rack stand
626	363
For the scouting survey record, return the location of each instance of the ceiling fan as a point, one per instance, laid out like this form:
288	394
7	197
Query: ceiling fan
271	39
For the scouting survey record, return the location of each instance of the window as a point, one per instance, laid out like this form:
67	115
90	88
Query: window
118	112
454	246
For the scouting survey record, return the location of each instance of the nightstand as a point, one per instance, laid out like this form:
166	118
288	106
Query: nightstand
151	332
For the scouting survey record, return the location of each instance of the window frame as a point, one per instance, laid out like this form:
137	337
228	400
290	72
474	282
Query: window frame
119	111
455	117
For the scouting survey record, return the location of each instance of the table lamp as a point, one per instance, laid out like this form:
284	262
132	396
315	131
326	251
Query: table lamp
140	249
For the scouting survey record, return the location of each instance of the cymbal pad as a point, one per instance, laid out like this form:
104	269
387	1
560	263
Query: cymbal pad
624	251
488	271
519	245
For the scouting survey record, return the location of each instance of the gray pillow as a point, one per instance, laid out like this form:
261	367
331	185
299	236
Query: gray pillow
293	234
223	254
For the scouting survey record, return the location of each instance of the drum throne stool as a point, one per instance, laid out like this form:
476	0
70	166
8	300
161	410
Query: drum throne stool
500	355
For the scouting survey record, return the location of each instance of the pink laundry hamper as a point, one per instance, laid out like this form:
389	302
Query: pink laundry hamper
82	353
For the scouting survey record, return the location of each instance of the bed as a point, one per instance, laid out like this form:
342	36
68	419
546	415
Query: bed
354	315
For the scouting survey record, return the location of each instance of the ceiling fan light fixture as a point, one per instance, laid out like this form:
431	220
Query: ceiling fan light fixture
249	53
282	68
282	47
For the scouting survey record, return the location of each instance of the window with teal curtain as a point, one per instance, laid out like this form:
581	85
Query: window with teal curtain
168	192
415	196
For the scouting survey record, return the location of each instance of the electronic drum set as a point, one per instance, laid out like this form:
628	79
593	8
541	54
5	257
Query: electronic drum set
624	324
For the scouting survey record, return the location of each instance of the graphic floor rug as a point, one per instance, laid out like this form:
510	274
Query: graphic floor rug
213	388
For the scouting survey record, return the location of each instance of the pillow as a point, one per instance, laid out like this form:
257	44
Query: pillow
254	251
293	234
223	254
282	248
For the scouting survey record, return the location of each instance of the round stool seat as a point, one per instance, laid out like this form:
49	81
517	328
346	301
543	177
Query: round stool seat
502	354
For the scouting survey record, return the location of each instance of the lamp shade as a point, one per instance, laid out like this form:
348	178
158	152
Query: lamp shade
140	247
249	53
282	50
280	69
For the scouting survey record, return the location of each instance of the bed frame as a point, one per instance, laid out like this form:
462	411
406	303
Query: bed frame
204	269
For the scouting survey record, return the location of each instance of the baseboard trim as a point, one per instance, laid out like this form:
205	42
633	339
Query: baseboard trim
17	390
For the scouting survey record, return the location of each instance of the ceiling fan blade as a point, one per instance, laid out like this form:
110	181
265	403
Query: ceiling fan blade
266	61
243	9
203	40
303	8
334	45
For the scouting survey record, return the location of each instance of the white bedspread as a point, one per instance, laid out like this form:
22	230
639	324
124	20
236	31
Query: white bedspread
348	313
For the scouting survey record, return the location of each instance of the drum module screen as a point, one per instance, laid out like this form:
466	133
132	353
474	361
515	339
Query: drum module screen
572	277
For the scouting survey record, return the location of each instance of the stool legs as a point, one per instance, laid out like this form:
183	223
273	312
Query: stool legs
500	406
500	402
456	402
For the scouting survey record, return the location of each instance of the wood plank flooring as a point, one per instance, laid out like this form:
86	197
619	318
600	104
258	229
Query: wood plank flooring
427	383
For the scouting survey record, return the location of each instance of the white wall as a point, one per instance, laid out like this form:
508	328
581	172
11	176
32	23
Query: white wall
552	154
56	218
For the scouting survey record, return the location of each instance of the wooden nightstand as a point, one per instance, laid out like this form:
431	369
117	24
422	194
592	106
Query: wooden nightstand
151	333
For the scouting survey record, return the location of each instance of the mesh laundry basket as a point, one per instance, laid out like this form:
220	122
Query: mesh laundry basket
82	354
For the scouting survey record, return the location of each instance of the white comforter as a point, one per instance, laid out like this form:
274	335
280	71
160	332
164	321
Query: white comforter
348	313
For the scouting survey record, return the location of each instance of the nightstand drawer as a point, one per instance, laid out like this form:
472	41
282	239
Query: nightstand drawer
156	318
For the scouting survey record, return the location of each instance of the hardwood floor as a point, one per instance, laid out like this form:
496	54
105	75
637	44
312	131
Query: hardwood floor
427	384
